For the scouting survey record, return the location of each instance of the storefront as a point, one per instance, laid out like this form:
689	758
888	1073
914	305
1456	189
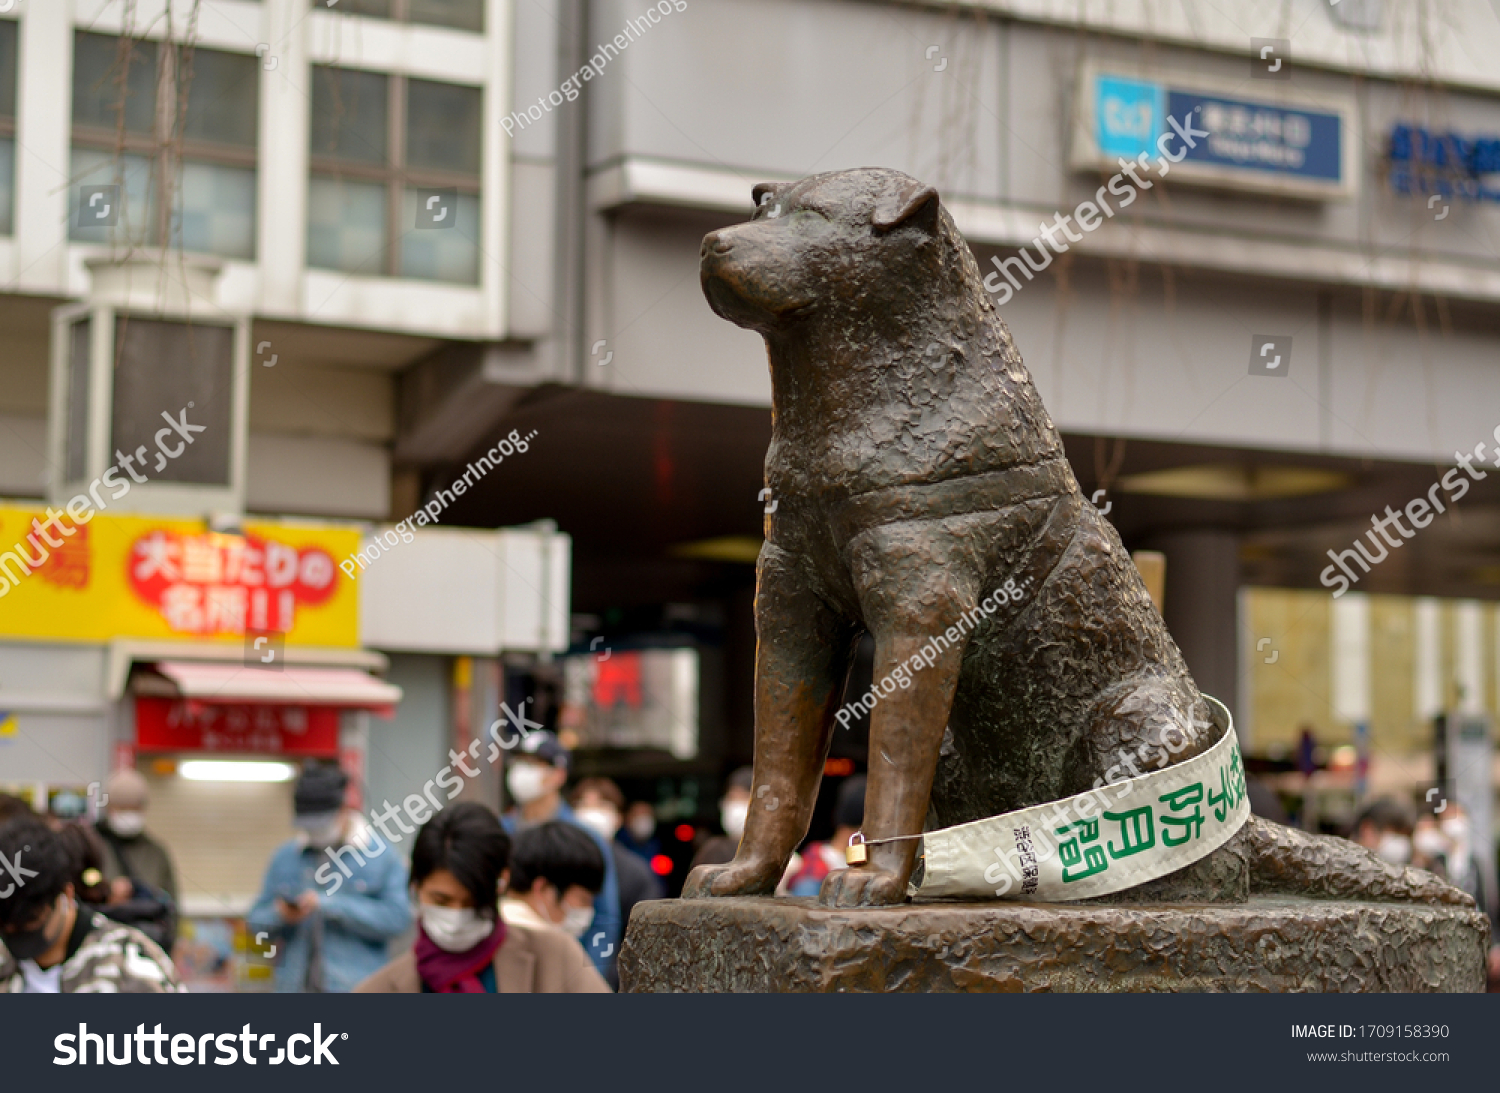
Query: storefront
157	643
217	660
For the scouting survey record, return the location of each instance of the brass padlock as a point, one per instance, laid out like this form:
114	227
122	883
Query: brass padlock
855	853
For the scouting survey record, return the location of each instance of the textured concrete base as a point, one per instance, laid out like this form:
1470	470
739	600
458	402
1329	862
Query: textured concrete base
759	944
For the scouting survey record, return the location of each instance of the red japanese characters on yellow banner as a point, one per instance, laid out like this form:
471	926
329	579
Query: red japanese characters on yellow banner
148	577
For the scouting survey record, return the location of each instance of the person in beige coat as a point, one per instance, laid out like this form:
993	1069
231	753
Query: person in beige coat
459	869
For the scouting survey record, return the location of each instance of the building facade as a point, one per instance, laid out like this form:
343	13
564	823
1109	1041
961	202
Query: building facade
213	291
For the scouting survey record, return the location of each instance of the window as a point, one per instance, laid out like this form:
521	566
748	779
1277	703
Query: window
160	394
200	141
162	366
7	126
395	176
458	14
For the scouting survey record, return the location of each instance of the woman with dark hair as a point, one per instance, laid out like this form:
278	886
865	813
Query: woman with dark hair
459	868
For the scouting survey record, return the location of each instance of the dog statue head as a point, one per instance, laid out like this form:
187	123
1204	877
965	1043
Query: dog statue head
835	247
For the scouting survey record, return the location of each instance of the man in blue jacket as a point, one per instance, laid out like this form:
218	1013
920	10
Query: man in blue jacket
536	772
333	896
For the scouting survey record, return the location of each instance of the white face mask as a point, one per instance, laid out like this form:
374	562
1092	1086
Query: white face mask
322	831
1394	848
454	929
642	827
127	825
526	782
1457	829
732	815
605	821
577	919
1430	843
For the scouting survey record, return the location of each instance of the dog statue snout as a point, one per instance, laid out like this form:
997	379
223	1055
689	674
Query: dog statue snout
717	243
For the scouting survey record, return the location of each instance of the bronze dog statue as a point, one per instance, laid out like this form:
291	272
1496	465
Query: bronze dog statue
915	470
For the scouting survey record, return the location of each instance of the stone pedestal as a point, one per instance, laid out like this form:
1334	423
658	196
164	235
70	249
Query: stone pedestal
1280	945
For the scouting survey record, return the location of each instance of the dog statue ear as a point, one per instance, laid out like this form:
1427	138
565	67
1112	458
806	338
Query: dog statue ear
913	203
761	189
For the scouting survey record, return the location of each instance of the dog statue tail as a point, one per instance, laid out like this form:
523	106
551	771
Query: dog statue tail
1285	861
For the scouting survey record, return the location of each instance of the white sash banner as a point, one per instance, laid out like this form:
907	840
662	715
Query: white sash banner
1105	840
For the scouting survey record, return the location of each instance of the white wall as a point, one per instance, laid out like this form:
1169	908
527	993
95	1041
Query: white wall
56	693
317	476
463	590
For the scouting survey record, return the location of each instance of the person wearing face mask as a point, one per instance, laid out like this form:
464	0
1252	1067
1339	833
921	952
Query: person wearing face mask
460	866
734	806
132	857
1430	847
1385	827
146	909
599	804
1462	863
333	896
556	870
1464	871
536	771
638	832
50	943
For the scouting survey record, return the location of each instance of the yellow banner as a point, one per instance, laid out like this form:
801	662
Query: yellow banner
164	577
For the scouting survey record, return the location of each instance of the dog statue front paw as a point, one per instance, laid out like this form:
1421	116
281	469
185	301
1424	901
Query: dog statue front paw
865	886
736	878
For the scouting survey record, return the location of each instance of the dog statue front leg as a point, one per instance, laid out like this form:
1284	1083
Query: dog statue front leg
906	733
802	656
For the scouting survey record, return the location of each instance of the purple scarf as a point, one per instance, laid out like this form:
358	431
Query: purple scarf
443	972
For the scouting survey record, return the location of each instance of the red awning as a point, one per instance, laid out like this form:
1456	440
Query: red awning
213	681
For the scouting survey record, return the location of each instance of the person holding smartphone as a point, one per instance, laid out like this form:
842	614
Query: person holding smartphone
333	896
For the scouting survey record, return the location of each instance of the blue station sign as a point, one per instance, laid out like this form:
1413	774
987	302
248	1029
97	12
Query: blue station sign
1422	162
1286	142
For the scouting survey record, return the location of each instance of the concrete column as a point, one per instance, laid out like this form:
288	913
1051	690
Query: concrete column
44	108
285	112
1203	577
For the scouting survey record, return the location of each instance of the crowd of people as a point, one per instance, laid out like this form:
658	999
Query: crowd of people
1440	842
530	901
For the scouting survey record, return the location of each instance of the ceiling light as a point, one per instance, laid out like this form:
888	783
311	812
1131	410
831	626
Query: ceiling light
729	548
221	770
1231	482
